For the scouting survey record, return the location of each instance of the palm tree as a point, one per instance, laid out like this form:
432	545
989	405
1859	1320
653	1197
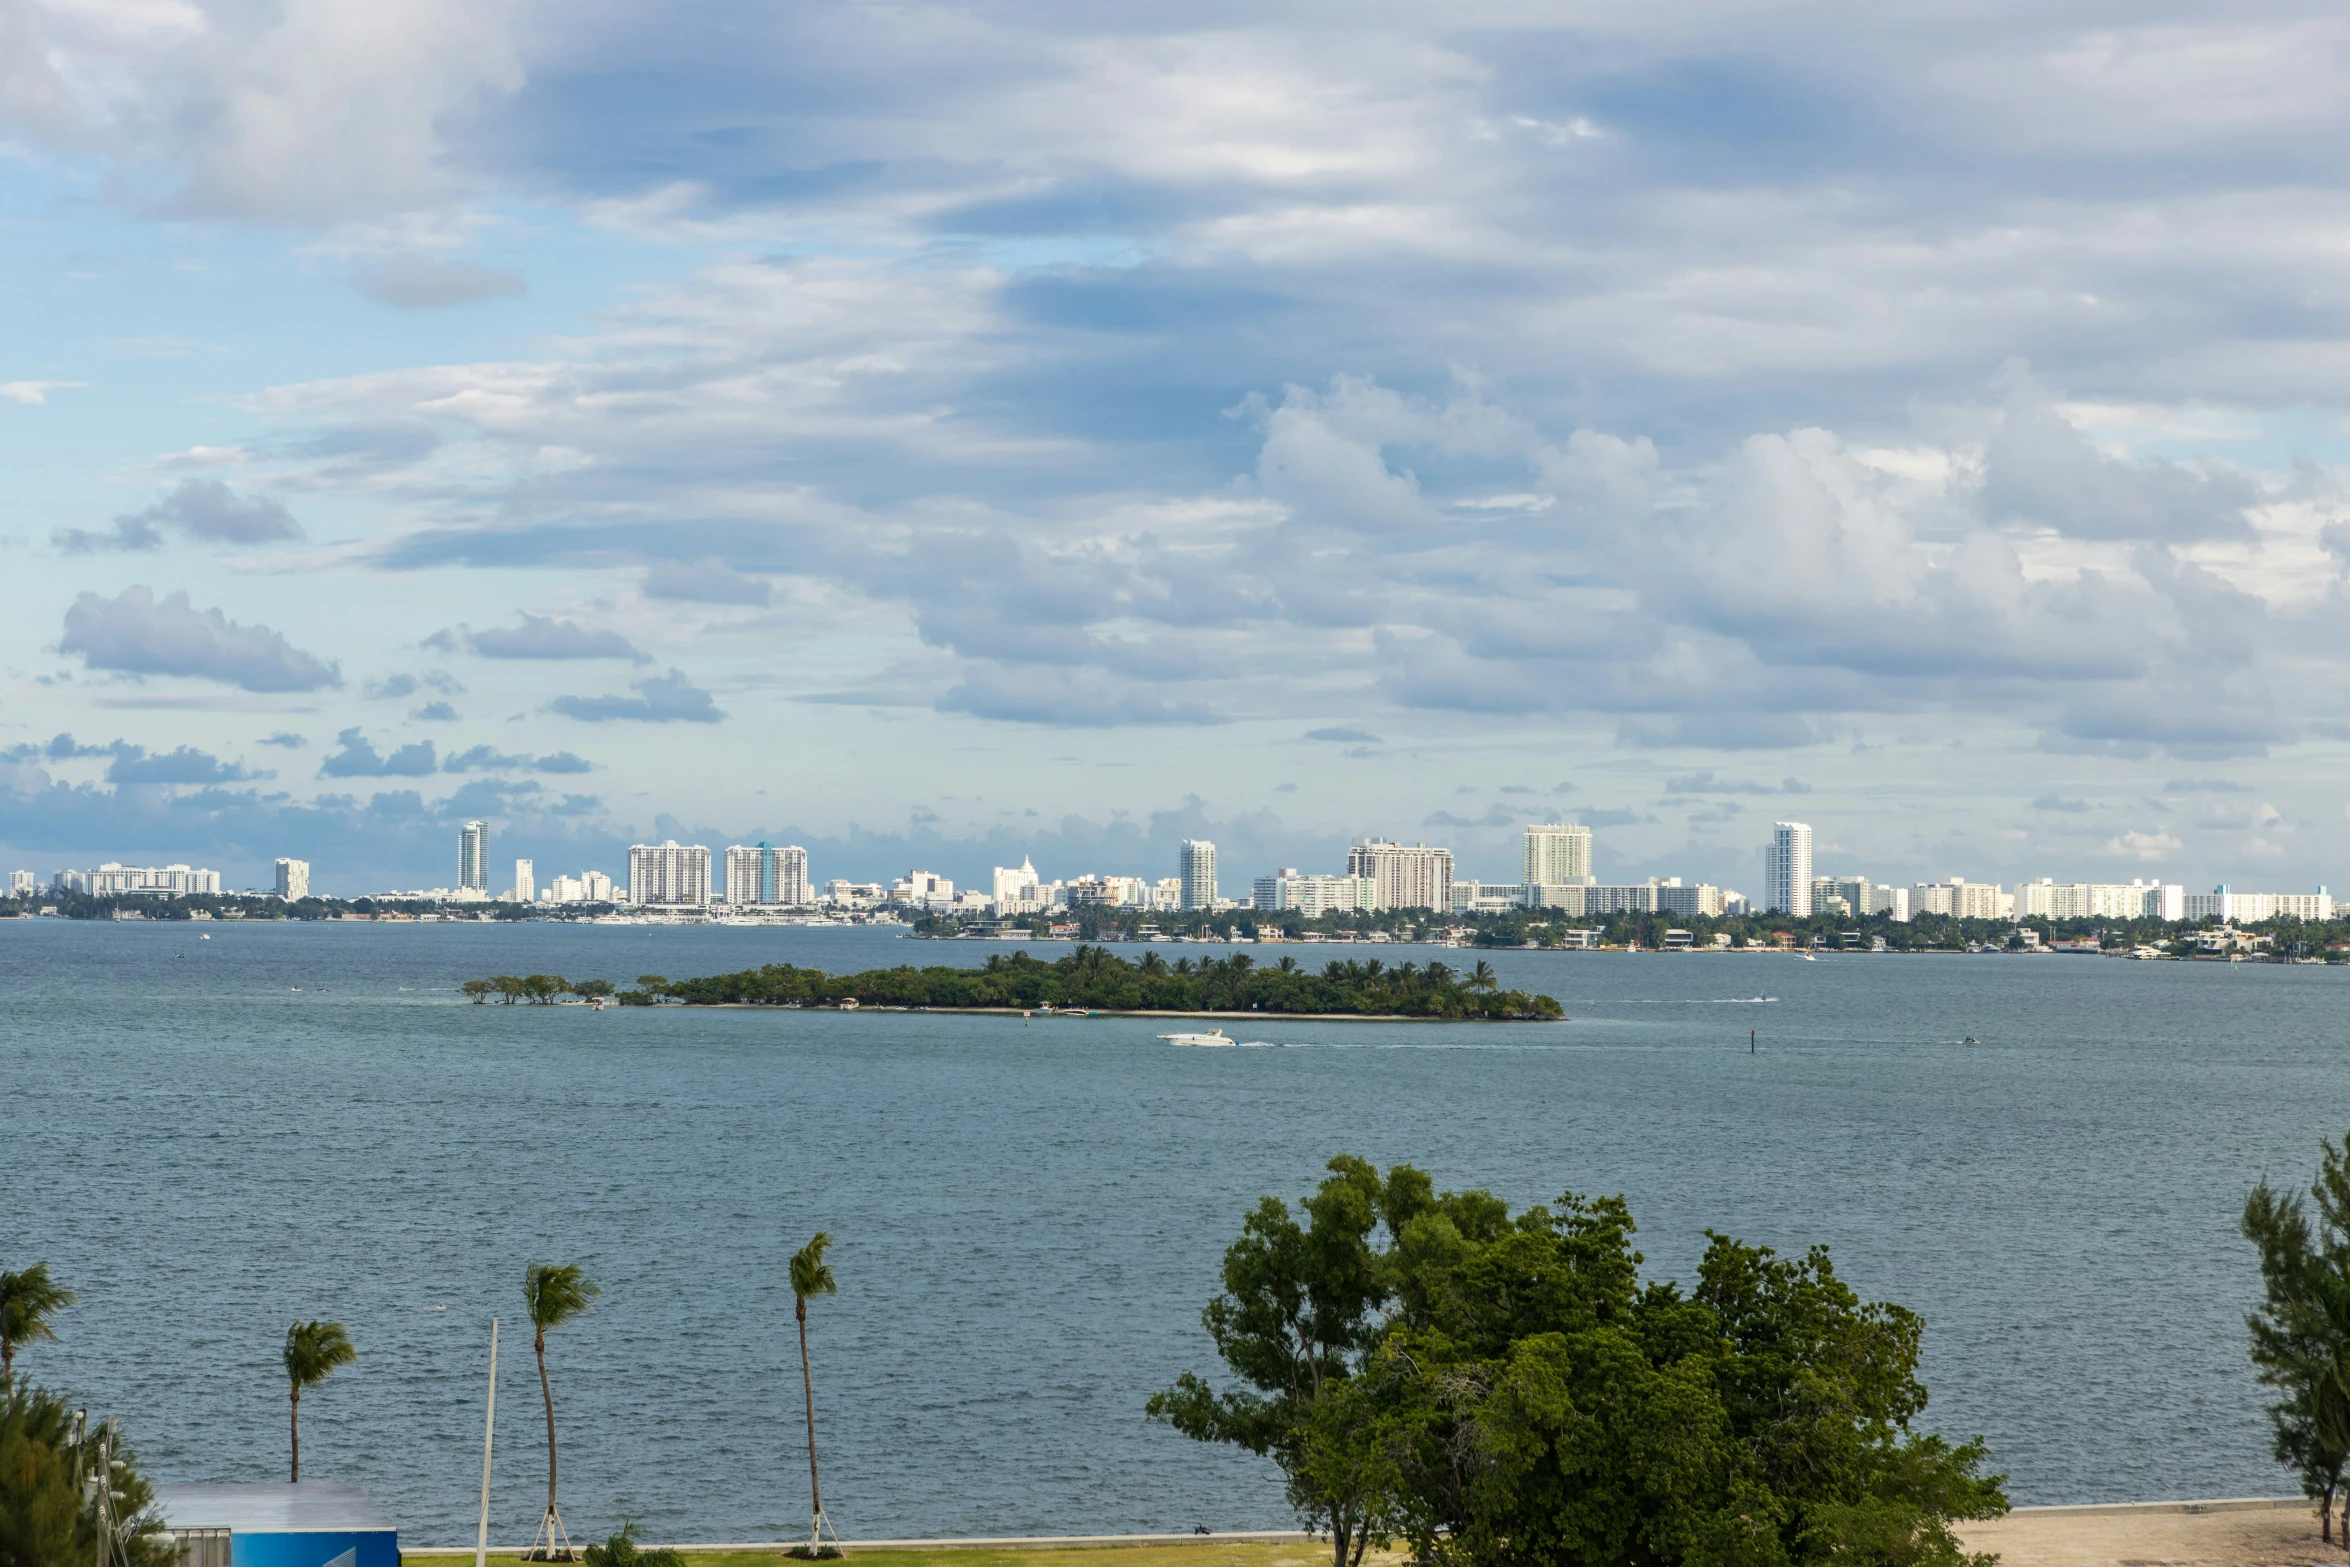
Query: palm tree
553	1296
27	1301
313	1349
1481	977
810	1276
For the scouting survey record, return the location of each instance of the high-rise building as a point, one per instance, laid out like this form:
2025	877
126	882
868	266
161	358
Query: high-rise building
526	882
1414	877
1195	865
1312	895
473	856
1787	870
761	875
595	887
293	879
1557	853
23	884
669	874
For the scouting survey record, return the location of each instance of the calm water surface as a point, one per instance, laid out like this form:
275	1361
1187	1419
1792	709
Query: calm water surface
208	1138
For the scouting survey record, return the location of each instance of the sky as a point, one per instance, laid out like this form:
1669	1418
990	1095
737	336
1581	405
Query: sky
940	434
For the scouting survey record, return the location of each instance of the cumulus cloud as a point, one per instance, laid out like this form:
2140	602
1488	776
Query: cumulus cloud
356	757
1342	732
197	509
482	759
137	634
663	699
287	738
407	280
181	765
539	636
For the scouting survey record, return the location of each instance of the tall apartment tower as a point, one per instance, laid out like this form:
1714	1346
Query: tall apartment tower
1416	877
766	876
473	856
526	882
293	880
1787	869
1195	866
669	873
1557	854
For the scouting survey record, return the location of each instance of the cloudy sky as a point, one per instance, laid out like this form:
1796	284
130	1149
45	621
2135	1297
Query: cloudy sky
935	433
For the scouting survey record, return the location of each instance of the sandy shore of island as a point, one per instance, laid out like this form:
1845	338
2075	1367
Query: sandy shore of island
2251	1532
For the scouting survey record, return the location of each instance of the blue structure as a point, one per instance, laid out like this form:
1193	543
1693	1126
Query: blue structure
314	1524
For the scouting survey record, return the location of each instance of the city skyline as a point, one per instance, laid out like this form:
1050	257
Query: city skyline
1253	429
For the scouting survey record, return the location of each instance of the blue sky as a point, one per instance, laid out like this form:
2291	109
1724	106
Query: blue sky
935	434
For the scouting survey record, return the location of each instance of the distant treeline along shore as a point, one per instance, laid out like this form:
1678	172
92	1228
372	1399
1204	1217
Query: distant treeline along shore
1091	978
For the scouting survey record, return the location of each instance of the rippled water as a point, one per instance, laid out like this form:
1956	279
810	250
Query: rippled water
1028	1216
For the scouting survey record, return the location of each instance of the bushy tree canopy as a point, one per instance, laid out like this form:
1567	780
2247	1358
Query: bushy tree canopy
1503	1389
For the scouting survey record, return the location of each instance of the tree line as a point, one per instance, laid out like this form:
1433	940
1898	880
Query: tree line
1095	979
1504	1390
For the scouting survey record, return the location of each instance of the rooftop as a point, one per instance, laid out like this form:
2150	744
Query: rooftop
313	1507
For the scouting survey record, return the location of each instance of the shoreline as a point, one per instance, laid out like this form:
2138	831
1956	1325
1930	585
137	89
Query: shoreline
1090	1012
2021	1516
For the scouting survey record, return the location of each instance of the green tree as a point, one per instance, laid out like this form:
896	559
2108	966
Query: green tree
622	1551
552	1296
314	1350
1515	1393
1299	1314
811	1275
27	1301
49	1515
2300	1336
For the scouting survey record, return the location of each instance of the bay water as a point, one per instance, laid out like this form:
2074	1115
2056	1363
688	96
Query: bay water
210	1131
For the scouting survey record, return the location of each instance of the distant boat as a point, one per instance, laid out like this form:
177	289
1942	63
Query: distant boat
1808	958
1214	1036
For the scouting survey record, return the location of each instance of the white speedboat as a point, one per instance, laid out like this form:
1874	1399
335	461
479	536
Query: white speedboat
1214	1036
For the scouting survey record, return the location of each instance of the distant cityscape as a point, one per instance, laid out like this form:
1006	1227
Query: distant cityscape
1556	880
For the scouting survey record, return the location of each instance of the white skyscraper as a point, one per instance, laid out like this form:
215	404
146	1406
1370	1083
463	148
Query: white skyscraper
1556	854
23	884
1787	869
1195	864
293	879
1416	877
473	856
669	874
526	882
764	876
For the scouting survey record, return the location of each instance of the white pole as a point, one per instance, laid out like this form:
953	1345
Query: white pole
489	1424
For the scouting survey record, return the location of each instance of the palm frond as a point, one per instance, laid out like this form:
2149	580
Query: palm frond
314	1349
809	1274
553	1295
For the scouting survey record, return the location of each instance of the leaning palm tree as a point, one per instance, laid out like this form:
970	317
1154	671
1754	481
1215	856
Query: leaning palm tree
27	1301
313	1350
553	1296
810	1276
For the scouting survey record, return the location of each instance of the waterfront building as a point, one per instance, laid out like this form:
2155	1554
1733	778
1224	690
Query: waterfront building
1487	897
669	874
564	889
293	880
764	876
2050	899
922	889
1673	898
1017	891
1557	853
1167	894
1289	890
23	884
855	894
1195	866
473	856
526	882
1896	904
595	887
1963	899
2250	908
112	880
1414	877
1787	870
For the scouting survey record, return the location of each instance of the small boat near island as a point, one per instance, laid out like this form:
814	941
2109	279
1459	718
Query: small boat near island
1214	1036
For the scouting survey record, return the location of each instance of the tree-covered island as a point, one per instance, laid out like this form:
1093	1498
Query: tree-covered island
1095	980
